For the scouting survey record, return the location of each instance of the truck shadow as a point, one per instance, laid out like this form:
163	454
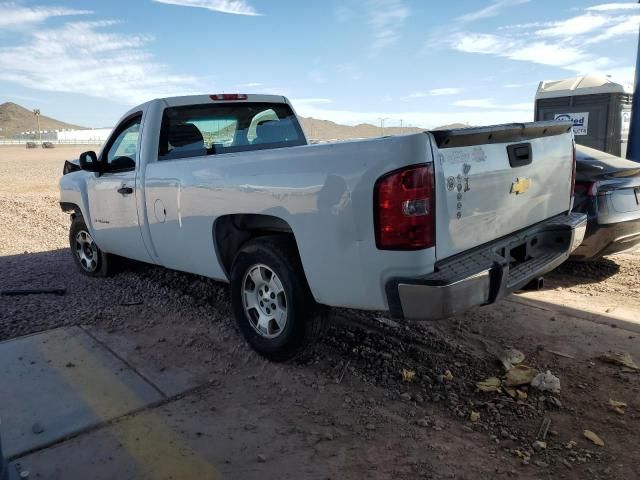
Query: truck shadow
575	273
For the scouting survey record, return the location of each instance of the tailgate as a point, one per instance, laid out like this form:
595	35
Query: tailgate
493	181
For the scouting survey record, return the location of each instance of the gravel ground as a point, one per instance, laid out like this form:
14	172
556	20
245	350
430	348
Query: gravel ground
428	422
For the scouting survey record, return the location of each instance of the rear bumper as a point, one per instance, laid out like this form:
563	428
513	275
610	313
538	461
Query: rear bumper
488	273
608	239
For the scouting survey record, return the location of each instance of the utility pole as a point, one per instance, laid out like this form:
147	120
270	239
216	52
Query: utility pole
36	112
382	124
401	129
633	145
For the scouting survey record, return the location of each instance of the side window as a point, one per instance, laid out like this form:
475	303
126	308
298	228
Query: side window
121	152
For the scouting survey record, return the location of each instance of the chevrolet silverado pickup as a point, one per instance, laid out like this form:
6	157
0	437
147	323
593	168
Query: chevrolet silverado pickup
424	226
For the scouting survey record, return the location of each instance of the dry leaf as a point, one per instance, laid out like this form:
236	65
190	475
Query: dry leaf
593	437
617	407
491	384
510	391
474	417
520	375
522	396
623	359
448	376
408	375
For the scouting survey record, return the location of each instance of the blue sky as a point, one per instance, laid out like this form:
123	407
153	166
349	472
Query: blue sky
425	62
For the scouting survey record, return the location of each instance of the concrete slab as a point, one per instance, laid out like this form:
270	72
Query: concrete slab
168	366
199	437
62	382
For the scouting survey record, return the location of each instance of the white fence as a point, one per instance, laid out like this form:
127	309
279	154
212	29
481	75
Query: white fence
55	142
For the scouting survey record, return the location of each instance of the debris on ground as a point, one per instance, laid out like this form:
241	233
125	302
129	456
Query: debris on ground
546	382
408	375
622	359
491	384
544	428
344	370
520	375
511	357
539	445
388	322
618	407
593	437
448	376
474	416
561	354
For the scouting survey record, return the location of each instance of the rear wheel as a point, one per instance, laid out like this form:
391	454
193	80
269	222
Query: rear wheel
271	300
88	257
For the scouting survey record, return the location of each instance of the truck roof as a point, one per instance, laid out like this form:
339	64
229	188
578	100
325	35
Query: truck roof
211	98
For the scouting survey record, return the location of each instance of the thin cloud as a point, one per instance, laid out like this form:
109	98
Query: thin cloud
491	103
234	7
386	18
311	101
251	85
574	26
607	7
628	26
88	58
491	11
434	92
14	15
565	43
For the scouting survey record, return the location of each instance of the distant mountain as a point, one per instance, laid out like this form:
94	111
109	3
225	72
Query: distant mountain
328	130
15	119
451	126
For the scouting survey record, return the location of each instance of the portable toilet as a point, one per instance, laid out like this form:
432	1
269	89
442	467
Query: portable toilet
599	108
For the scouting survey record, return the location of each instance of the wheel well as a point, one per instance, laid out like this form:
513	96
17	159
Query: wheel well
230	232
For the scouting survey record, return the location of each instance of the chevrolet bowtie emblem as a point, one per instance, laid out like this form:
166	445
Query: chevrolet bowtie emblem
521	185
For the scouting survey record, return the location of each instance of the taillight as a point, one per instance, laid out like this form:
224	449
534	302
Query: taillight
229	96
404	203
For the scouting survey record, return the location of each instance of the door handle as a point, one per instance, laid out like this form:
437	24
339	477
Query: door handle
125	190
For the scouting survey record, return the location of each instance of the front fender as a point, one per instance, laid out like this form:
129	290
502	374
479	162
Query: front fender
74	197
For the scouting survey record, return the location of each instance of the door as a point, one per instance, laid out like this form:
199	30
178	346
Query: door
112	195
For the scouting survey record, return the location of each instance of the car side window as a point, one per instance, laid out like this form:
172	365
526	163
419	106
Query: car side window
121	152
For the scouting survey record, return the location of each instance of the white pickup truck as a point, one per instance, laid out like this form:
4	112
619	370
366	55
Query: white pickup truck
424	226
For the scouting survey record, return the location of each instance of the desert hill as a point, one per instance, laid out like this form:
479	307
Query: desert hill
15	119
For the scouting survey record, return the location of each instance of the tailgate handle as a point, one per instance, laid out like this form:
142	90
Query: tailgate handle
519	154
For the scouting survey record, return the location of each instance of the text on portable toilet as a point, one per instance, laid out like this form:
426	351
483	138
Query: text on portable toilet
580	121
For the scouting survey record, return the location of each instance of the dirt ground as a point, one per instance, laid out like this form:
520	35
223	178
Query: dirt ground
374	399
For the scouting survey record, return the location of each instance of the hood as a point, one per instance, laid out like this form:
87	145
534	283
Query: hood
592	164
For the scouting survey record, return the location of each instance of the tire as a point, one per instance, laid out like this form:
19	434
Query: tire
272	267
89	259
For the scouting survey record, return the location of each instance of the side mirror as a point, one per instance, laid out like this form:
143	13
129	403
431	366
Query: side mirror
89	162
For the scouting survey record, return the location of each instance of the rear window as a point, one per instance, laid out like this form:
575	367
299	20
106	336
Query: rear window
198	130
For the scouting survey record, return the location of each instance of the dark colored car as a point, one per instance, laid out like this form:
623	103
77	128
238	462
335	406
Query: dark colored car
31	145
608	191
47	145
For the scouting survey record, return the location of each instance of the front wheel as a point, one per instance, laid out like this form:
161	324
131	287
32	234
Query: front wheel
271	300
87	256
